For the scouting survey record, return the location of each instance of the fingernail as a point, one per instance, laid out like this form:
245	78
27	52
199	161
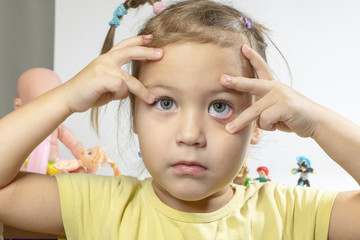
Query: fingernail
158	52
247	47
151	98
230	127
148	37
228	79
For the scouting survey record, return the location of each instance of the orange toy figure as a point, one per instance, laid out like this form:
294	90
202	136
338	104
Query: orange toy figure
89	162
31	84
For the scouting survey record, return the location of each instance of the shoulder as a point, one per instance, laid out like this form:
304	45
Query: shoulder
286	199
275	189
96	184
87	198
286	206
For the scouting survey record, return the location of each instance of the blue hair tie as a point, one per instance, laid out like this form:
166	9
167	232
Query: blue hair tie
119	12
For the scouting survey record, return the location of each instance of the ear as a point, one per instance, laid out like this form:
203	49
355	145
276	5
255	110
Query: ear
256	134
17	103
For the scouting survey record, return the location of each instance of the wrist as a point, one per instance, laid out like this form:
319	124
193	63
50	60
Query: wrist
323	124
68	98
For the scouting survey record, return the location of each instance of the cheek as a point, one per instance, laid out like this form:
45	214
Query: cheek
235	143
139	117
151	134
232	148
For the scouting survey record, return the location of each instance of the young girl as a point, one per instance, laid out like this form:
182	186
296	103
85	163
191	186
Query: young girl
192	91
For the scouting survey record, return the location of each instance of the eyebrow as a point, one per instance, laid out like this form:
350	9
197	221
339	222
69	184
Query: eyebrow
213	91
161	86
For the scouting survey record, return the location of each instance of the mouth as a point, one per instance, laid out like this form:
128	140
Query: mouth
188	168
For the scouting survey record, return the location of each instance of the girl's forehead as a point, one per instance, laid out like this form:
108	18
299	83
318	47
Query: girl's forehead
192	69
196	60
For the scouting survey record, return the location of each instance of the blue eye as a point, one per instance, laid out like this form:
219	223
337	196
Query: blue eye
165	103
220	109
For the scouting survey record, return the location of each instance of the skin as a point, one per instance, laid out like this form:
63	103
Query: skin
27	199
192	130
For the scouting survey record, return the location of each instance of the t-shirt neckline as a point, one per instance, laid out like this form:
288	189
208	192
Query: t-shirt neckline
235	203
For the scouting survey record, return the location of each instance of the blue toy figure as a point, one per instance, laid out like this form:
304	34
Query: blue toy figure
304	169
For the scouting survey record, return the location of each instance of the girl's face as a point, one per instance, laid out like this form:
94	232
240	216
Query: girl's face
182	136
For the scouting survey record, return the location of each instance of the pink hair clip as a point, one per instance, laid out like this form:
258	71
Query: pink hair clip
158	7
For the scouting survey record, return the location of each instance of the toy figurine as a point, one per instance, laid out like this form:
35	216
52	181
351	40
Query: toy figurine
242	178
304	169
263	174
89	162
31	84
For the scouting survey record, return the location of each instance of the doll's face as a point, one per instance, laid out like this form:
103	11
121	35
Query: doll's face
182	136
262	174
34	83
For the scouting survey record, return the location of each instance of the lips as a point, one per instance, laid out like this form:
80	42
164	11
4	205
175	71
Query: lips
188	168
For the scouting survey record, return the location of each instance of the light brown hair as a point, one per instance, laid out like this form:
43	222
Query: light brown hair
200	21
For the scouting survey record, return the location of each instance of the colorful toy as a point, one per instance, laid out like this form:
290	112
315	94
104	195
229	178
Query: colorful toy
31	84
89	162
263	174
50	169
242	178
304	169
39	157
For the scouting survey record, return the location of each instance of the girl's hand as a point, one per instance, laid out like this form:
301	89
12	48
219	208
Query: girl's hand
103	80
279	107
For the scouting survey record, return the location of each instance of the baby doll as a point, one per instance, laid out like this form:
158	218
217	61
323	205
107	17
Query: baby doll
31	84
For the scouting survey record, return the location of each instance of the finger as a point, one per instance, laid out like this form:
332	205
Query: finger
141	40
118	83
270	117
250	114
125	55
117	86
137	88
261	68
254	86
114	88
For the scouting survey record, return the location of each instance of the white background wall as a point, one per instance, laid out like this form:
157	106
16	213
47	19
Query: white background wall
320	40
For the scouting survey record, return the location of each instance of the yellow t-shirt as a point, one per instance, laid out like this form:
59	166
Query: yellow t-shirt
104	207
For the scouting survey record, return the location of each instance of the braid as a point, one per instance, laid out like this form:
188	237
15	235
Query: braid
109	40
108	44
136	3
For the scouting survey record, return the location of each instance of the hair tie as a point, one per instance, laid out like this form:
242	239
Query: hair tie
158	7
248	22
119	12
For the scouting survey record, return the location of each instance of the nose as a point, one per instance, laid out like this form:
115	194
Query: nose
190	130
